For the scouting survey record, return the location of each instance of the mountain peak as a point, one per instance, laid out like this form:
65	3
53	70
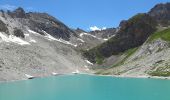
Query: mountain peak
19	9
161	12
18	13
160	8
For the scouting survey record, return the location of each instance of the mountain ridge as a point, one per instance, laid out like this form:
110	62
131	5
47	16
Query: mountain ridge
145	59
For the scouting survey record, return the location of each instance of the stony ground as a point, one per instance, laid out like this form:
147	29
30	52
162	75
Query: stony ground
40	57
152	57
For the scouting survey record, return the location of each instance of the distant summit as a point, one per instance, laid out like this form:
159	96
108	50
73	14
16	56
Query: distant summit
161	12
18	13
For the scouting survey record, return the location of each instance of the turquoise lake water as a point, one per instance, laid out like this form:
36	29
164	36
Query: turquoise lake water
86	87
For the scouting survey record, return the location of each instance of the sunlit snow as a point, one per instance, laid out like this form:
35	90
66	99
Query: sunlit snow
13	39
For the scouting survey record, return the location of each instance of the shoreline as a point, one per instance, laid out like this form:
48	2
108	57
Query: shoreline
143	77
113	76
139	77
7	81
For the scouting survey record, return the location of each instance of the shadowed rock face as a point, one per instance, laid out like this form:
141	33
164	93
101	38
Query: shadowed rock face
161	12
41	22
133	33
3	27
18	13
19	33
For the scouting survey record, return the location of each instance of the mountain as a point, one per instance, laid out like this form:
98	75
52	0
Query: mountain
40	22
149	59
105	34
36	44
87	40
161	12
140	47
131	34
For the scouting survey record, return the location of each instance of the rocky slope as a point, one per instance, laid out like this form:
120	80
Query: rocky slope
150	59
88	40
36	44
132	33
105	34
129	53
161	12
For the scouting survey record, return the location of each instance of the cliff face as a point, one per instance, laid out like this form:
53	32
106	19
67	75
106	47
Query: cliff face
161	13
140	47
132	33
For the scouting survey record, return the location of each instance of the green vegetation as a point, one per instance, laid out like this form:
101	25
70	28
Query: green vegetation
164	35
132	34
99	60
103	72
161	71
128	53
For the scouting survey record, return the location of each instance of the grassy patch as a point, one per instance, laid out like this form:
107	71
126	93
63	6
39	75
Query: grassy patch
161	71
128	53
164	35
102	72
99	59
98	72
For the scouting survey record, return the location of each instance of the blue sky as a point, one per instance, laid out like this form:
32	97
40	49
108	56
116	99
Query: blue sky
85	13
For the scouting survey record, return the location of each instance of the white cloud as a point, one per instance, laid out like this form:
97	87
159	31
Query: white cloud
8	7
95	28
29	8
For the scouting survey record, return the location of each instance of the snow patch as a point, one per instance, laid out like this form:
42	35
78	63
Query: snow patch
105	39
29	38
27	35
31	31
29	76
76	72
51	38
89	62
80	40
81	35
32	40
54	73
13	39
87	68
